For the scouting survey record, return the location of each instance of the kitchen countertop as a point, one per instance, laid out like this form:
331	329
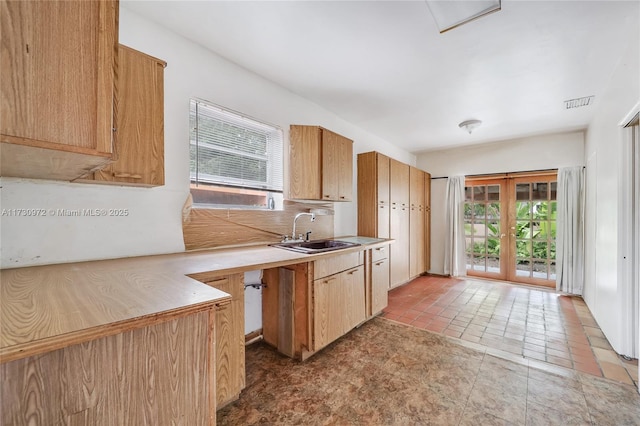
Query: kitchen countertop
44	308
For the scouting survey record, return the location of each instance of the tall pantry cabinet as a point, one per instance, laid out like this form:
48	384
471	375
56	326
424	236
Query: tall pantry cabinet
394	202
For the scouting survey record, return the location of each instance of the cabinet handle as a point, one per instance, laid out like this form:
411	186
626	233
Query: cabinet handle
127	175
380	249
379	263
342	197
351	272
328	280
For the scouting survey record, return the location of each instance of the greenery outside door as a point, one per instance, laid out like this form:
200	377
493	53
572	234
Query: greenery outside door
510	228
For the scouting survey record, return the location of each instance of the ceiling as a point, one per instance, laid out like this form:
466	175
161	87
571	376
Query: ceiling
383	65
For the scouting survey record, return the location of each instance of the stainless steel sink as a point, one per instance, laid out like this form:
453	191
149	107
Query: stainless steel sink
316	246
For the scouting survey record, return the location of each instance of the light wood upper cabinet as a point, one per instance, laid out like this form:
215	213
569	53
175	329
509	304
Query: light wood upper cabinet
139	121
57	64
321	164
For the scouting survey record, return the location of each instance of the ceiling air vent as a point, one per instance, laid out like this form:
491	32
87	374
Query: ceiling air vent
579	102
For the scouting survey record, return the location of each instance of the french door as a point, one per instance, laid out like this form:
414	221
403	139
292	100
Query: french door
510	228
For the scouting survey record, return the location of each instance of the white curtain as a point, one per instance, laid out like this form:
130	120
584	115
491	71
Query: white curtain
454	256
570	231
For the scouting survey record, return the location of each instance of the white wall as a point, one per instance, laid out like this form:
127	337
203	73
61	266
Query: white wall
605	289
154	222
531	153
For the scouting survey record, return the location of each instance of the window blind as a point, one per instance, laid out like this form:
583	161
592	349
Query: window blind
230	149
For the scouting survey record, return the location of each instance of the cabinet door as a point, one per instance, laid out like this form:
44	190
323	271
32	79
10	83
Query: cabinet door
330	165
337	167
383	218
379	285
230	368
382	193
354	296
382	175
139	117
345	173
416	187
57	62
399	252
305	163
416	241
327	310
416	222
427	221
398	183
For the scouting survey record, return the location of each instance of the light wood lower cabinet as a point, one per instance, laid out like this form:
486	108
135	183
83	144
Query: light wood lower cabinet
309	305
378	267
153	375
230	365
338	305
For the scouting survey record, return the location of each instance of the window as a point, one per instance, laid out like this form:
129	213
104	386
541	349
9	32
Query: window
235	161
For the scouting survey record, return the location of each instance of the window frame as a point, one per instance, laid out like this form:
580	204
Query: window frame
241	190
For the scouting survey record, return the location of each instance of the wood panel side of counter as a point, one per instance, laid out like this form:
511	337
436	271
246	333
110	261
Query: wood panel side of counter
160	374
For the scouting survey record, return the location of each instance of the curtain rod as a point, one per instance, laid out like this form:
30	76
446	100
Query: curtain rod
498	174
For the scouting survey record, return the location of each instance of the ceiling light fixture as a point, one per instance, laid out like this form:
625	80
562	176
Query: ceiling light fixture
470	125
451	14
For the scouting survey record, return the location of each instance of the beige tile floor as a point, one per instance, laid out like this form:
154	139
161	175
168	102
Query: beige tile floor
386	373
515	322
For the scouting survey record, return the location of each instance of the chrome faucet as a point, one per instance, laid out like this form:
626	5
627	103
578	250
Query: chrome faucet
293	233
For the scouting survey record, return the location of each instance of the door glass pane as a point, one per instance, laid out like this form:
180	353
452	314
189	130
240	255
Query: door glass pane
523	210
479	211
540	250
479	264
540	270
523	268
493	192
523	249
523	229
479	193
493	211
467	193
493	264
540	191
522	191
552	270
540	210
553	187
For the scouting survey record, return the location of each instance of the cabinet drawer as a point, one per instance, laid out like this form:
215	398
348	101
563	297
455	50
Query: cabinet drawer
334	264
379	253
